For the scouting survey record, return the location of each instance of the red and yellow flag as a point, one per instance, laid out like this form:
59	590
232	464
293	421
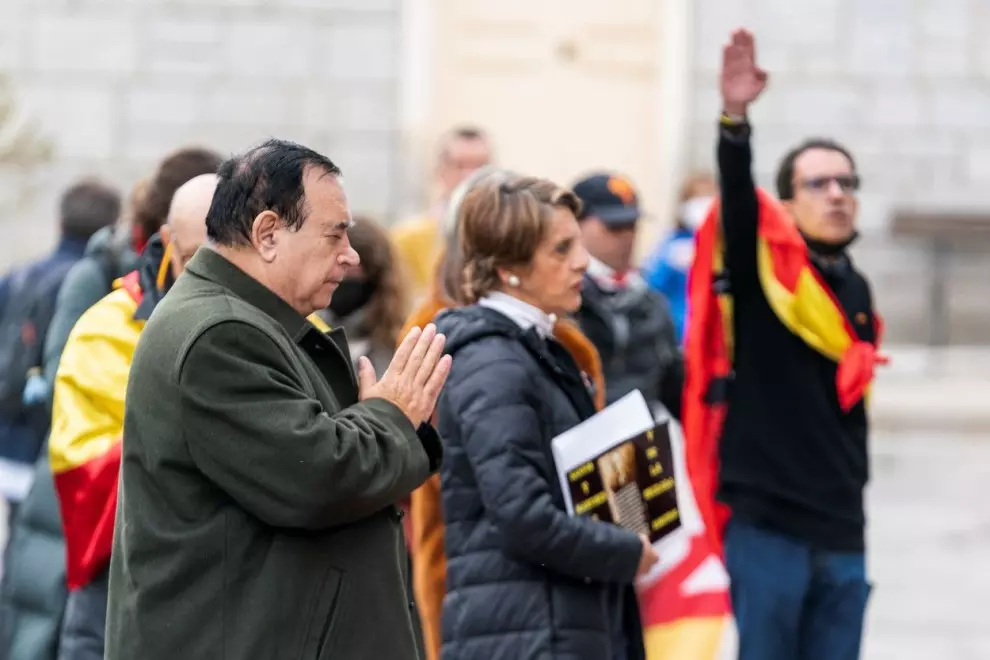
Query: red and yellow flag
686	611
87	423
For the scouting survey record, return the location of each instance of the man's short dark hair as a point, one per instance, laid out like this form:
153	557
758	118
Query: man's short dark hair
467	133
268	177
176	169
785	174
88	206
463	132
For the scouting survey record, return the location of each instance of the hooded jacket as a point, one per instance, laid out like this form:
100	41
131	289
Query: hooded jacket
425	522
525	579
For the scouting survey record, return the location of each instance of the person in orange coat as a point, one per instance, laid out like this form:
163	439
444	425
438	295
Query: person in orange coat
426	516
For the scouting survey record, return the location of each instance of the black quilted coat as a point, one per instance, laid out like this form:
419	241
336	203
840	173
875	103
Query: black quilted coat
524	580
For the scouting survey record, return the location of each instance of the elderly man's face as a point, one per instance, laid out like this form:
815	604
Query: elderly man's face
312	260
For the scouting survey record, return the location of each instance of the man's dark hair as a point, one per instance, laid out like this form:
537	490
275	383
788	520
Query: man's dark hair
176	169
467	133
785	174
268	177
464	132
88	206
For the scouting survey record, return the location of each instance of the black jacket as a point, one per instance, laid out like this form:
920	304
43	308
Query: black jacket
636	338
791	460
525	580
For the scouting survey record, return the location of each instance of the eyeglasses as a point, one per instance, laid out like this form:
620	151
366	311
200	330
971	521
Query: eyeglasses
848	183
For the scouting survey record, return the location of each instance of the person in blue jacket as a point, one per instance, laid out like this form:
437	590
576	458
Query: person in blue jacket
666	269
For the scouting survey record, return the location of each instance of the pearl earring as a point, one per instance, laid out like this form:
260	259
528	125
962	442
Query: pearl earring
513	280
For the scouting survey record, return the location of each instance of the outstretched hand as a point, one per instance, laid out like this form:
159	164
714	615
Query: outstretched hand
415	376
742	81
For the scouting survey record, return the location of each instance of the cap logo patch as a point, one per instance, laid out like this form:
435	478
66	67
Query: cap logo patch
622	189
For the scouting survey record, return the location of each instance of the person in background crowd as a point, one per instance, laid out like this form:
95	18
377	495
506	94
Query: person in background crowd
88	413
113	254
27	300
791	461
666	269
526	580
258	481
33	590
33	602
629	323
426	528
371	303
419	240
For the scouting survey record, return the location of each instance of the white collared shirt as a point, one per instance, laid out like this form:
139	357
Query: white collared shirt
526	316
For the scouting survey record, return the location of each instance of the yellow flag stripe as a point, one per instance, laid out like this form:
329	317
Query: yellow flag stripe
697	638
88	398
809	311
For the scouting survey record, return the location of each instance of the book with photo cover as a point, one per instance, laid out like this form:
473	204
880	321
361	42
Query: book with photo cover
631	484
619	467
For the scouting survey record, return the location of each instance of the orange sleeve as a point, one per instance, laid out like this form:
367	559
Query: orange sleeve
429	561
585	355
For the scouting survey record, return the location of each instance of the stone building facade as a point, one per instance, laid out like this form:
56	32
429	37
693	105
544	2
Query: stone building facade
117	83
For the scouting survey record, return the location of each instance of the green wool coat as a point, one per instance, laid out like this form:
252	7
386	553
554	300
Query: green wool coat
256	515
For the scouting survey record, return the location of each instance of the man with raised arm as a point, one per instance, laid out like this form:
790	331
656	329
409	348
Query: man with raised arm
780	354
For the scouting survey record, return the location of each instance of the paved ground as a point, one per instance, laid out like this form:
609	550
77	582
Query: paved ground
930	535
933	390
930	547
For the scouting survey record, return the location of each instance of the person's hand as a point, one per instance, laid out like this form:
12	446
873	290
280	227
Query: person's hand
35	389
414	378
648	558
742	81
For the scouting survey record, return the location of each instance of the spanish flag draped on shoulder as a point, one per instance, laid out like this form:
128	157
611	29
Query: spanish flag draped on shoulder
803	302
88	411
87	422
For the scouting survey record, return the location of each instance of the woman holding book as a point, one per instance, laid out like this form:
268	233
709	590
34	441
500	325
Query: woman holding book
525	580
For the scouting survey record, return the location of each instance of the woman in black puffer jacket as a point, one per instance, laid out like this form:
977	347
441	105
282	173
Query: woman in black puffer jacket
525	580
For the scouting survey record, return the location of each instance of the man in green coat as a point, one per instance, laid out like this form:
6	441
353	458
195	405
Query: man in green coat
256	516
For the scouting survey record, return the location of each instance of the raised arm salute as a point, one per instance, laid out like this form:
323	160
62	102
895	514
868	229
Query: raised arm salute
741	83
781	349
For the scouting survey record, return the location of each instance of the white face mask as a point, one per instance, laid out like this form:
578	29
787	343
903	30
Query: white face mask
693	211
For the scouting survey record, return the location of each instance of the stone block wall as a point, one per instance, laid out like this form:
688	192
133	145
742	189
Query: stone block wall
906	86
117	84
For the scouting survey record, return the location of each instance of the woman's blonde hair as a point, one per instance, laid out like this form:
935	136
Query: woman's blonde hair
501	222
388	307
695	182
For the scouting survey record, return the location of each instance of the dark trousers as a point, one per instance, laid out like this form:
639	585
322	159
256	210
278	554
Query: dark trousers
792	601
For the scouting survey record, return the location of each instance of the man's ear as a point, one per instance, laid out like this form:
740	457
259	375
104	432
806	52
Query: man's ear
166	233
264	234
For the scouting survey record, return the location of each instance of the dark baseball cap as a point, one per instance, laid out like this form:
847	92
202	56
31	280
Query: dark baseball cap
610	197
